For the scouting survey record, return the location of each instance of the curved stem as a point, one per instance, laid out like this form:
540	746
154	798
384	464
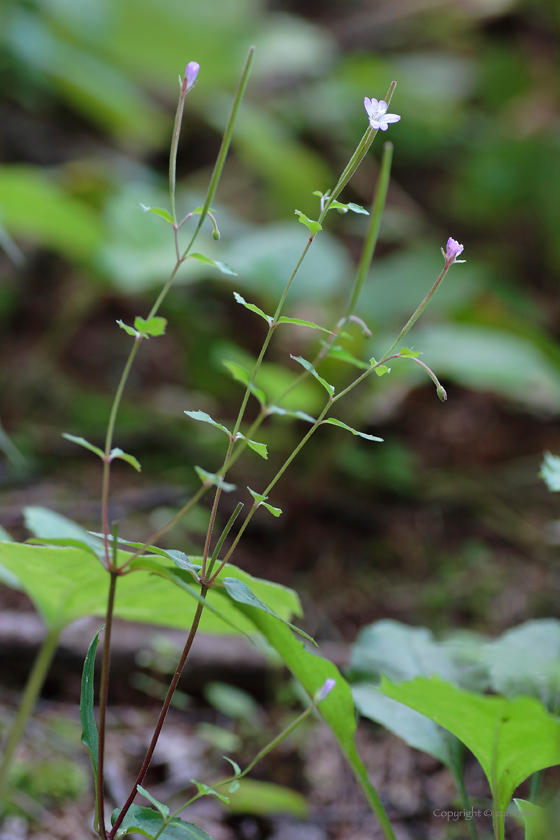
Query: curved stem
162	715
27	704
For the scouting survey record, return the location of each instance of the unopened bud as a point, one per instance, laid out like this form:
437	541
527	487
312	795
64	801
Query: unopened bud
325	690
191	73
442	393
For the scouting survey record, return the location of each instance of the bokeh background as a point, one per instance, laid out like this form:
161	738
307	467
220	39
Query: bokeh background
447	523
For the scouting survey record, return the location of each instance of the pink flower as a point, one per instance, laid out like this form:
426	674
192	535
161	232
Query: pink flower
377	113
325	690
190	74
453	251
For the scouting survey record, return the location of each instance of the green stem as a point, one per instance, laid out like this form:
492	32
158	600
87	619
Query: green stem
31	692
535	788
103	697
222	538
466	803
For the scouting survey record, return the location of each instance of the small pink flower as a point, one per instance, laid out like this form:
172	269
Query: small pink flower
190	74
453	251
377	113
325	690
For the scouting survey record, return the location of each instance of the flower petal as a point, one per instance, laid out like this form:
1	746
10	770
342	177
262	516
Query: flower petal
391	118
368	106
374	123
383	126
382	107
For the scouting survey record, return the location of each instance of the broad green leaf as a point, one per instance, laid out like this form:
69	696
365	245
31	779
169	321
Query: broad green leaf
90	735
261	501
301	323
241	375
163	809
511	739
209	478
55	529
314	227
205	418
208	791
338	708
241	593
338	352
290	412
308	366
85	443
252	308
550	471
148	823
221	266
526	660
181	560
124	456
159	211
408	354
151	326
334	422
264	799
130	330
259	448
535	820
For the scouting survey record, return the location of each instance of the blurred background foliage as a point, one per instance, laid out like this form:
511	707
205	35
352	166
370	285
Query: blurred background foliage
444	523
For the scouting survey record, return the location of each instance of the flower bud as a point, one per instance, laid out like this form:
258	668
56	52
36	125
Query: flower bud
191	73
325	690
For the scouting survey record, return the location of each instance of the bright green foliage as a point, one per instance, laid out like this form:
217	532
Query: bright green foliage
124	456
314	227
264	798
90	736
408	354
151	326
209	478
287	412
511	739
148	823
239	373
252	308
163	809
208	791
242	594
301	323
534	820
309	367
334	422
550	471
221	266
159	211
205	418
343	355
261	501
85	443
259	448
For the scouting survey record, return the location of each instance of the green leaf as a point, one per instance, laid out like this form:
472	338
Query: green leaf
314	227
334	422
290	412
90	735
208	791
252	308
55	529
264	799
130	459
205	418
209	478
408	354
344	208
241	375
241	593
234	764
85	443
130	330
550	471
308	366
534	820
301	323
148	823
259	448
511	739
221	266
159	211
338	352
261	500
163	809
338	708
151	326
181	560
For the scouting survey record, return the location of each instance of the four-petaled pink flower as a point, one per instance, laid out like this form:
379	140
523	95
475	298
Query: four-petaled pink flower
453	251
191	73
377	113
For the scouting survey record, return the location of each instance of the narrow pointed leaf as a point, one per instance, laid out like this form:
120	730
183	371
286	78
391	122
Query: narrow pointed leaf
85	443
158	211
234	764
290	412
344	208
273	510
205	418
211	478
301	323
408	354
258	497
147	823
151	326
124	456
221	266
334	422
130	330
239	373
313	226
252	308
343	355
241	593
90	735
259	448
208	791
163	809
308	366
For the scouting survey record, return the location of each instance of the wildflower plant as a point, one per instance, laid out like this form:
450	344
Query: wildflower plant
122	578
